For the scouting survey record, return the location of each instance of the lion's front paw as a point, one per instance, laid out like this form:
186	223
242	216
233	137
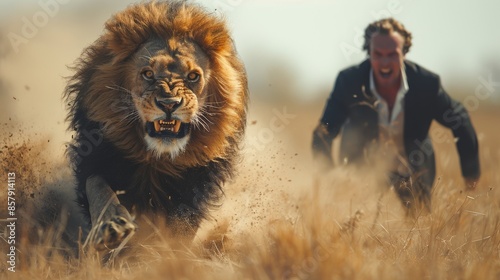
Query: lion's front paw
112	233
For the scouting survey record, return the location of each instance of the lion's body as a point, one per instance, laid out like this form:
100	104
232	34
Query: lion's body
177	177
148	189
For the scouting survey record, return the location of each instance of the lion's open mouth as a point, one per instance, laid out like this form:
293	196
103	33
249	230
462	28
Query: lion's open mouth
167	128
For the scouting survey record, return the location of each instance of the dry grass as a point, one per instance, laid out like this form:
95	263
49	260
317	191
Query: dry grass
279	221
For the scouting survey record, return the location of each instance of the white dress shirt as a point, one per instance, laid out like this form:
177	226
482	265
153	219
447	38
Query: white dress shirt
391	127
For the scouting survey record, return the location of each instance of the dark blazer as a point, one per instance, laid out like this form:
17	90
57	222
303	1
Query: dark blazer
350	107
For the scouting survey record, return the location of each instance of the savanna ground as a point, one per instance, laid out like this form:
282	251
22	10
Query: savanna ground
280	219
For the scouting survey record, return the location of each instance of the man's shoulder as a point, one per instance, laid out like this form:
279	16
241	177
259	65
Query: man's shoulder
356	70
421	78
355	73
418	71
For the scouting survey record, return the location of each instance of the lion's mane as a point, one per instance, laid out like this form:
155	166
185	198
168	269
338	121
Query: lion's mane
107	146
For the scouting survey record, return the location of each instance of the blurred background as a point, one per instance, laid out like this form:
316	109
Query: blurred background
293	49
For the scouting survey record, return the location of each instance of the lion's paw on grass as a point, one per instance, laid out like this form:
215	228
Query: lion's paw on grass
112	233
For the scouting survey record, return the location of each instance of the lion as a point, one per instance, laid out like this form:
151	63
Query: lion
158	109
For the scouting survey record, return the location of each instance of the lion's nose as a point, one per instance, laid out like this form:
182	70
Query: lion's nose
168	104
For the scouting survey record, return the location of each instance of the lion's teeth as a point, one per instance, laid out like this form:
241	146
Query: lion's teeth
171	125
177	125
157	125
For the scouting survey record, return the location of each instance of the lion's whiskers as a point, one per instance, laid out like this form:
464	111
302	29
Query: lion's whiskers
119	88
203	109
121	105
211	106
198	124
145	57
150	54
201	120
129	117
132	116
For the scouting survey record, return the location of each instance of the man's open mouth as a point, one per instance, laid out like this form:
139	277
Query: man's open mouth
167	128
385	72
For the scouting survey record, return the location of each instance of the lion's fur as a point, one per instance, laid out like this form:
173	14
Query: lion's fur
98	108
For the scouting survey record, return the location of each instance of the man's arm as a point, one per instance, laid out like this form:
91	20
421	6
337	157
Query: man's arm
333	118
453	115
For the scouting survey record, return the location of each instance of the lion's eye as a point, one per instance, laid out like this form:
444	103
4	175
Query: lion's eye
148	75
193	77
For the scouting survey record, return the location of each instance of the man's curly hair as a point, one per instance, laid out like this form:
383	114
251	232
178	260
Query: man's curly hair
386	26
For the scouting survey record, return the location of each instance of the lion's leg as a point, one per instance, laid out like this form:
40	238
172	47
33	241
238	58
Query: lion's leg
111	222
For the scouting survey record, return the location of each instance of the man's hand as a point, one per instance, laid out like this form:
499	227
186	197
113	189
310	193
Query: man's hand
471	183
322	147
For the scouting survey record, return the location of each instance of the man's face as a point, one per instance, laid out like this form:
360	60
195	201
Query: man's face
386	57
